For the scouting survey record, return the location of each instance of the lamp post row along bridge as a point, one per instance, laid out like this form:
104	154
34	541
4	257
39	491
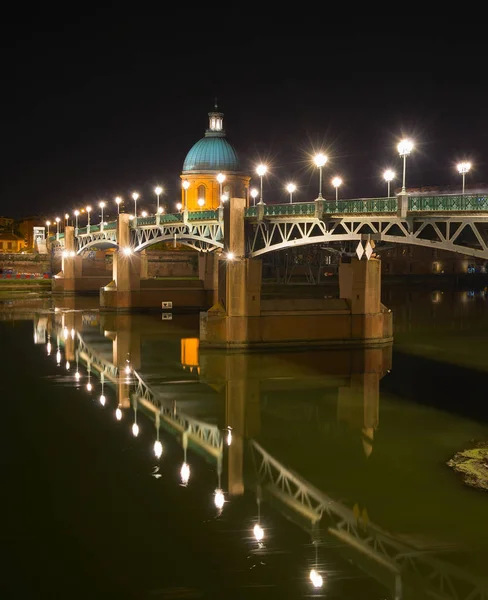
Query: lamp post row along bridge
457	223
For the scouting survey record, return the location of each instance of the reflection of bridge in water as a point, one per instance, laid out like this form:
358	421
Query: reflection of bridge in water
112	349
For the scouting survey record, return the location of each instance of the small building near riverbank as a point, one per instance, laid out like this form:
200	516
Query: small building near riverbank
11	243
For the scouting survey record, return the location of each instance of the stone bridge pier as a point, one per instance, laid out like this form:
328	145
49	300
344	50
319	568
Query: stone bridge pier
67	280
70	279
242	319
131	290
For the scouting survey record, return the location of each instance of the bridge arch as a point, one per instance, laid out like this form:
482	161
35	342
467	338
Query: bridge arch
197	242
451	247
460	235
103	244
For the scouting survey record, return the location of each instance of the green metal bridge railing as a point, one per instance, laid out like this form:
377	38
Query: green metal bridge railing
448	203
445	203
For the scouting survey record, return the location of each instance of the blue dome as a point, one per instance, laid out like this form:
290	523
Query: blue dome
211	153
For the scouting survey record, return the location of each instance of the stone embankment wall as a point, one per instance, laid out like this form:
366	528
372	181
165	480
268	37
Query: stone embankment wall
25	263
160	263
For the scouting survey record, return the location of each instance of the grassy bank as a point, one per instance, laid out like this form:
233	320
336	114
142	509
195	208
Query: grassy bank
9	286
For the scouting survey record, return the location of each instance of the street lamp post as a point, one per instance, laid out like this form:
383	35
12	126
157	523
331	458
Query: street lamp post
118	200
388	175
220	179
57	219
135	196
463	168
254	195
66	219
320	159
102	206
186	185
290	188
261	170
404	149
48	223
201	202
77	213
88	211
336	182
158	191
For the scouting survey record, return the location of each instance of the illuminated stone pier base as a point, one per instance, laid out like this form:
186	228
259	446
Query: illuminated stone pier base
70	280
208	273
240	319
130	290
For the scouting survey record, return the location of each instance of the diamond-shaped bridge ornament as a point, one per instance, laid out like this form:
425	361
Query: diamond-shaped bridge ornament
368	250
360	250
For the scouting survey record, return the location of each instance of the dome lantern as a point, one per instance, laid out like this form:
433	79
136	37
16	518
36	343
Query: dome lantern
213	152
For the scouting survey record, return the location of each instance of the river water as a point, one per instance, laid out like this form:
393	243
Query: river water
137	465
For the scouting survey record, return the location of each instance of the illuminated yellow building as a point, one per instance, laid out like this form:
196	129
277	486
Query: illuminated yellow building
211	170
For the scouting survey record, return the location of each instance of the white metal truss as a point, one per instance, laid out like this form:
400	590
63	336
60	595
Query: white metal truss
466	234
89	356
437	578
205	236
85	241
206	434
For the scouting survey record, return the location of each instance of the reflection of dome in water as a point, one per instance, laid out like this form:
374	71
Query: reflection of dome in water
367	440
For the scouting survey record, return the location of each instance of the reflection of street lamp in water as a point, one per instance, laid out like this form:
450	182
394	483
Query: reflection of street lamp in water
185	473
185	467
257	529
158	447
135	426
219	498
315	577
102	396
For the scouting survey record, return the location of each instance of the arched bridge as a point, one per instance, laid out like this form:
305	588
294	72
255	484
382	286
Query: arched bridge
458	223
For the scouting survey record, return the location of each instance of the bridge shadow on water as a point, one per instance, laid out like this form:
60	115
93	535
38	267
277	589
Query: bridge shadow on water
457	389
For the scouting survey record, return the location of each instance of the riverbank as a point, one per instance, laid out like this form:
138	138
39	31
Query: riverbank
472	465
15	288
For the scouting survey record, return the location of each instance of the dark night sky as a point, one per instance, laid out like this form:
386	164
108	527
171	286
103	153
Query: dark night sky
87	115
